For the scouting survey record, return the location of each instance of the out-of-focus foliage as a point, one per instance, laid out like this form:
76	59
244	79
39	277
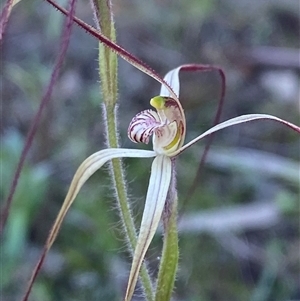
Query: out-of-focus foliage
27	201
87	262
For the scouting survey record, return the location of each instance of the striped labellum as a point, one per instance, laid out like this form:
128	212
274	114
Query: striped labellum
166	124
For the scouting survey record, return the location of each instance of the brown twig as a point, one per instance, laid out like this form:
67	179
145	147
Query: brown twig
63	49
192	189
34	126
4	17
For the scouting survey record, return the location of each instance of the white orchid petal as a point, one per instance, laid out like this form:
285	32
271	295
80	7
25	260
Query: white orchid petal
172	79
84	172
156	196
235	121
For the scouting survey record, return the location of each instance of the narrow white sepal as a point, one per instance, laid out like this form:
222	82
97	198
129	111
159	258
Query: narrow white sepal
88	167
235	121
156	196
98	159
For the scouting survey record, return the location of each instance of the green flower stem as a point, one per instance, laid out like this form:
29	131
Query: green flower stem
122	199
108	64
119	180
170	253
108	70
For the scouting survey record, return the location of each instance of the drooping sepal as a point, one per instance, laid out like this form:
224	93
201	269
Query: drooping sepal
83	173
159	183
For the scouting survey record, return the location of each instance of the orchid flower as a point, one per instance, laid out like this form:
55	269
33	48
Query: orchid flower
167	126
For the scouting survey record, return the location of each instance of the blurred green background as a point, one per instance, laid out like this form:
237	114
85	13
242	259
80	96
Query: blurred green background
239	231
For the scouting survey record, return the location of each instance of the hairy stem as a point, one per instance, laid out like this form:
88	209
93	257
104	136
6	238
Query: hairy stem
170	253
109	88
118	177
